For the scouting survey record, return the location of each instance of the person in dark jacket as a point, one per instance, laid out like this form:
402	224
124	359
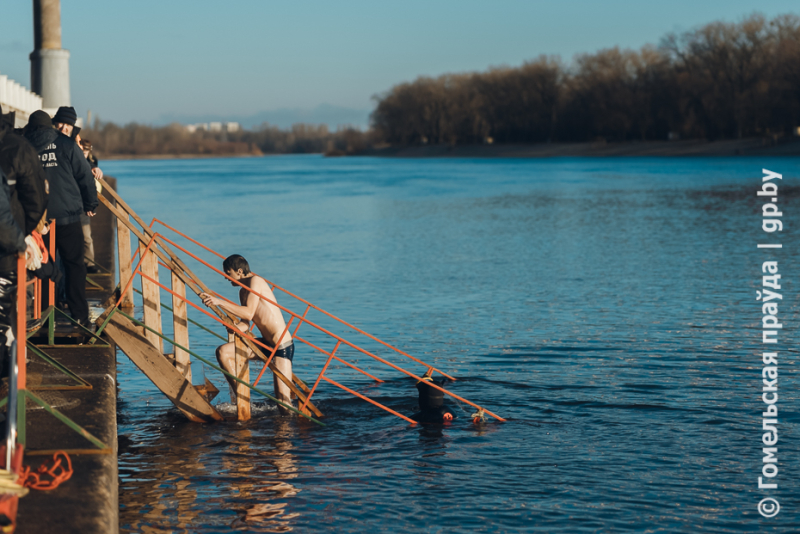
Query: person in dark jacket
22	200
12	244
72	192
24	175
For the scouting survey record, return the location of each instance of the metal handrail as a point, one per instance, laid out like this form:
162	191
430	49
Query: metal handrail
303	318
275	286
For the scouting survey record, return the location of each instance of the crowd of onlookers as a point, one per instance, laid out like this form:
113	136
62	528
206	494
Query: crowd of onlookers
50	187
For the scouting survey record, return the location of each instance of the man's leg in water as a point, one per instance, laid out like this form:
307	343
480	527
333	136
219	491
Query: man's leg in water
282	391
226	356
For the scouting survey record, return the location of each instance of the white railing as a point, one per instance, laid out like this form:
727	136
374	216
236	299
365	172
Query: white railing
14	97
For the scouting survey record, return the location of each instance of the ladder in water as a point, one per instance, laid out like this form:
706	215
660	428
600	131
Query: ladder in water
142	340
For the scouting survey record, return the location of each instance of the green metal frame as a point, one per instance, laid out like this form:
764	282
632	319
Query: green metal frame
223	338
25	394
106	271
49	316
99	330
93	283
21	406
83	384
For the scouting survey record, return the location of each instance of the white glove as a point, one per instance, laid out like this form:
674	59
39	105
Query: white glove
33	256
97	173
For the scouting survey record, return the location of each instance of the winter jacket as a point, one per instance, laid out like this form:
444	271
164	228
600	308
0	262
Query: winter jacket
72	189
25	178
12	240
23	197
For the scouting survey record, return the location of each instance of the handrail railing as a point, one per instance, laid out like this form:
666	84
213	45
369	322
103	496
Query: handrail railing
167	250
275	286
320	328
18	391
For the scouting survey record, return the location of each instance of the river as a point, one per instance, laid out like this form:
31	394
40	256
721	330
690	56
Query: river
606	307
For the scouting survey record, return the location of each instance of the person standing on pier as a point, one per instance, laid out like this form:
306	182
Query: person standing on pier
23	198
266	316
72	192
86	222
24	175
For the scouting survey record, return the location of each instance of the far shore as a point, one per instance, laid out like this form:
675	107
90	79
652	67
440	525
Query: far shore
738	147
174	156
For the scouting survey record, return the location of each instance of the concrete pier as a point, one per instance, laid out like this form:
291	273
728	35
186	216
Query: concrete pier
87	503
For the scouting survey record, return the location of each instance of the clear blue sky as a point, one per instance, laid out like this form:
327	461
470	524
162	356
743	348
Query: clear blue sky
143	59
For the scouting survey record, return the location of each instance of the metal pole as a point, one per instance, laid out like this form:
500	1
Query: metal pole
11	410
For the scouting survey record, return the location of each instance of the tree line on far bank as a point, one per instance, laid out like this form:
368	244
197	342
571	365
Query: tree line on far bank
109	139
721	81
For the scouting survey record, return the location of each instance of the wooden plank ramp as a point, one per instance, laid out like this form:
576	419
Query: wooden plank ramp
159	369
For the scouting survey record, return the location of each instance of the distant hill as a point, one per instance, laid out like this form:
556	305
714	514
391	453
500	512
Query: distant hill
328	114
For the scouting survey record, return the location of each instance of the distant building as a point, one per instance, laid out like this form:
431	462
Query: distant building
214	127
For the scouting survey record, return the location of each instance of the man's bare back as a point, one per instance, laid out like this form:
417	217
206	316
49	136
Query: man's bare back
265	315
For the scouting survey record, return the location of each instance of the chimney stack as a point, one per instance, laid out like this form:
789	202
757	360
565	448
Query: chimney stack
49	62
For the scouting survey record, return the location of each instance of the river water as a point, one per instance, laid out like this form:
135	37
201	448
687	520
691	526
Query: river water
605	307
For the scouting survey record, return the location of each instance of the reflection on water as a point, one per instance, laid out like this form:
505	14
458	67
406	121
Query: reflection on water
265	488
238	470
604	306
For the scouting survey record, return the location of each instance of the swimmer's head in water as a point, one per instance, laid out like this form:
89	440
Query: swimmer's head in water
236	267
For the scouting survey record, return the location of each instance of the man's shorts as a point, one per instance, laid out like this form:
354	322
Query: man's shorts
286	350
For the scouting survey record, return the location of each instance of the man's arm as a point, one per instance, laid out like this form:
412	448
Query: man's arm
246	312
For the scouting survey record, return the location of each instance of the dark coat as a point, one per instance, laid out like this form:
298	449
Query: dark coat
72	189
12	240
25	177
24	195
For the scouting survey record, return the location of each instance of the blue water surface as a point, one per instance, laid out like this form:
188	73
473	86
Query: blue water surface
605	307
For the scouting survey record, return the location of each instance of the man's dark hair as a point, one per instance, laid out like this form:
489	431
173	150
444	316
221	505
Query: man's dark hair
234	263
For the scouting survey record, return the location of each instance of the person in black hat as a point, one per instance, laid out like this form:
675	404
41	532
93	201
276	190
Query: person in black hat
72	192
65	120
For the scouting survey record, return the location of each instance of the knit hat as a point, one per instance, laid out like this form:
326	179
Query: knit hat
39	119
66	115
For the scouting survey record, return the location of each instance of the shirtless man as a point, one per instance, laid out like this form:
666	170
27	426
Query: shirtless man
267	317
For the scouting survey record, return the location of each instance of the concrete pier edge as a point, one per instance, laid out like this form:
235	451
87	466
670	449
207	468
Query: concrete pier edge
88	502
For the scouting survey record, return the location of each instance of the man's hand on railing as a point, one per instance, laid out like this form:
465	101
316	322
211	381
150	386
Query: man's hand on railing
209	301
32	254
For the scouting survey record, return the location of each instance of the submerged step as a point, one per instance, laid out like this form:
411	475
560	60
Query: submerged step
130	339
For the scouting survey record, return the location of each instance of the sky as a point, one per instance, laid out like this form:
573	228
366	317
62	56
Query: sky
154	61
